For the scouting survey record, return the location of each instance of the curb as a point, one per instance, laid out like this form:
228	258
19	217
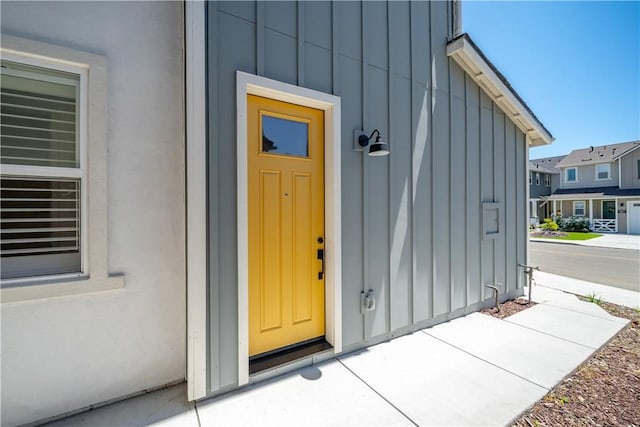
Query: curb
561	242
578	243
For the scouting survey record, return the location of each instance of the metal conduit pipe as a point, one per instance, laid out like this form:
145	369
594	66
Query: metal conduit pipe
496	291
457	18
528	270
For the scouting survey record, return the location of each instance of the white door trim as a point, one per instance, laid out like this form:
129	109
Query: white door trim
196	168
255	85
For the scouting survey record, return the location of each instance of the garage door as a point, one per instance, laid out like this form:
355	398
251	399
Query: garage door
633	217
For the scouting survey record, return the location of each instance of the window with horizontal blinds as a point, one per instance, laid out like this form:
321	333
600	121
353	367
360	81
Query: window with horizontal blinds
38	117
39	217
603	170
40	214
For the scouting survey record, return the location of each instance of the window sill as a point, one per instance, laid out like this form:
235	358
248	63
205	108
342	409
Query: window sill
53	287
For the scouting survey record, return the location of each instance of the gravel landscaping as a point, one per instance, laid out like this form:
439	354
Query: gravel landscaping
604	391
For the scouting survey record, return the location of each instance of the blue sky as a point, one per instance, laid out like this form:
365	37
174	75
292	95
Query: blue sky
576	64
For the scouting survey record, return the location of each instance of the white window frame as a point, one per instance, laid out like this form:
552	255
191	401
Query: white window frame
44	172
547	180
537	178
566	175
584	207
92	172
608	171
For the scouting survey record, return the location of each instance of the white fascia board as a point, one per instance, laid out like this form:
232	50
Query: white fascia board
475	65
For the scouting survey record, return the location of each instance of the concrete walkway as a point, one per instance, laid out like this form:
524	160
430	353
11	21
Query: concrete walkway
580	287
612	240
475	370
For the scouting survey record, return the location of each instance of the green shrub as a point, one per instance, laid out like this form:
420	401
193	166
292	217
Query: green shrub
550	225
575	223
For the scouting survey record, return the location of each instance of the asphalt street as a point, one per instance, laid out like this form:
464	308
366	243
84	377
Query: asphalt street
613	267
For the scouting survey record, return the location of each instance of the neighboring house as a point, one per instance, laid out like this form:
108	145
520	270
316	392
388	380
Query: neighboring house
186	192
603	184
544	179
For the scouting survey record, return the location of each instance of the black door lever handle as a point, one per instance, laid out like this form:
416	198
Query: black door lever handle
321	258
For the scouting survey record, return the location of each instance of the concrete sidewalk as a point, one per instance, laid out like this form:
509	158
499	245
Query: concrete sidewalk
580	287
612	240
475	370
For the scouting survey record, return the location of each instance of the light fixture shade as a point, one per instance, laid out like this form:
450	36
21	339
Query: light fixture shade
379	148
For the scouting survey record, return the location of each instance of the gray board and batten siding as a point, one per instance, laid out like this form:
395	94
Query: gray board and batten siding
411	222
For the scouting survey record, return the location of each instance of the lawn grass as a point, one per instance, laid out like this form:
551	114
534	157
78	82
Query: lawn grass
573	235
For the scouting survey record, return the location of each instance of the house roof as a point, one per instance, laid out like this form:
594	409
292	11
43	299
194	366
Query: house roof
467	54
601	154
593	193
546	164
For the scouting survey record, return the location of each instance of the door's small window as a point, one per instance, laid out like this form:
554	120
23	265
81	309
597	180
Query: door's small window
609	209
285	137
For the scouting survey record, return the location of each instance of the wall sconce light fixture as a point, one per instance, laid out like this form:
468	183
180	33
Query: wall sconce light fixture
377	148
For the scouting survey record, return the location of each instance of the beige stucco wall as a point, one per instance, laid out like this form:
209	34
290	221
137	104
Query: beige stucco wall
64	353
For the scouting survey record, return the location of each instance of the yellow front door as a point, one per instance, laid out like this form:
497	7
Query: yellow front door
286	223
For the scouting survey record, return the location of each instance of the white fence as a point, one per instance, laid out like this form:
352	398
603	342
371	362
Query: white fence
607	225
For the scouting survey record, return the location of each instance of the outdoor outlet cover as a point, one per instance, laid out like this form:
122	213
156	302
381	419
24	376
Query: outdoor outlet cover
367	301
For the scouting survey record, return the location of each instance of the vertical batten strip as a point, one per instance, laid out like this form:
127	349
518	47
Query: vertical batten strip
260	38
300	30
389	175
452	285
467	190
507	234
518	190
527	195
365	169
213	158
432	83
334	49
494	242
479	211
410	208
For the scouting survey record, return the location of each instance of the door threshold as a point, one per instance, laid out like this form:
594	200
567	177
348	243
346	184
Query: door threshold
263	362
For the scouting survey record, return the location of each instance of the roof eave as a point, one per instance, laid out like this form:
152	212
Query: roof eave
473	62
587	163
631	150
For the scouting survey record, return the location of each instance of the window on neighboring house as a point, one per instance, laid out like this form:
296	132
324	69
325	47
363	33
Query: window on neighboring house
43	172
547	180
571	175
603	171
530	174
578	208
537	178
638	169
